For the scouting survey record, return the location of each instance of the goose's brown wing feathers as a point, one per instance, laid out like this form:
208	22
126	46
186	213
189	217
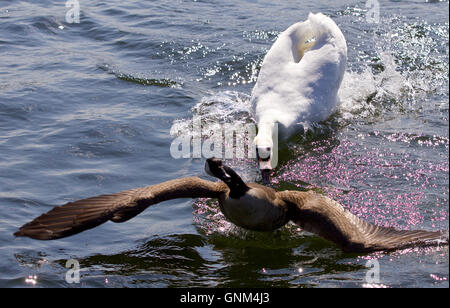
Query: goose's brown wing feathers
75	217
327	218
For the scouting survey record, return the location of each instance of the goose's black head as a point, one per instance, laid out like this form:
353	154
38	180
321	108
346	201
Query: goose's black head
214	167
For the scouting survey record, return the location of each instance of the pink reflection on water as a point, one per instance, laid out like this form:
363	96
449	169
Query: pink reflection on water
396	188
437	278
386	187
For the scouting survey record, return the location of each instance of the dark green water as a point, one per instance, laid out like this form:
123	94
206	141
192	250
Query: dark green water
86	108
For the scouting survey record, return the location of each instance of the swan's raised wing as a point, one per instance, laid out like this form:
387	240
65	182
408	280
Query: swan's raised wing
75	217
327	218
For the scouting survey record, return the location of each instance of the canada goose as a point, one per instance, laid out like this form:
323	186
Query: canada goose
251	206
298	82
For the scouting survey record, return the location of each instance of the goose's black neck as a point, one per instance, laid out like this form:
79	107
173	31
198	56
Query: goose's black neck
237	186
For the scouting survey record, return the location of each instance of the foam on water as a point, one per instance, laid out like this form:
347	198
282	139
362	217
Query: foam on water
212	112
222	107
406	65
364	94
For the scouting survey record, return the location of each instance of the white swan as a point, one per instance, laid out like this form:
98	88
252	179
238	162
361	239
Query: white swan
298	82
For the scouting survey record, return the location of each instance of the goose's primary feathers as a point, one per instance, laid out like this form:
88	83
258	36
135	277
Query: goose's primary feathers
298	81
250	206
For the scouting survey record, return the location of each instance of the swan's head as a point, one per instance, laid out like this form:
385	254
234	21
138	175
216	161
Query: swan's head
214	167
264	154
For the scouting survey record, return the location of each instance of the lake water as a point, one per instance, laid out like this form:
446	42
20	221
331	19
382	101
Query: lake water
86	108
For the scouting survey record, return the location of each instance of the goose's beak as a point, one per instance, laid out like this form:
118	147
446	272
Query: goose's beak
223	175
214	167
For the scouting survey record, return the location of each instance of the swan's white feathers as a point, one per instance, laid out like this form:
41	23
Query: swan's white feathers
300	75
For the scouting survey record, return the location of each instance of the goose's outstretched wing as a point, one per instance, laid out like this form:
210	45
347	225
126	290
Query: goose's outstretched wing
327	218
75	217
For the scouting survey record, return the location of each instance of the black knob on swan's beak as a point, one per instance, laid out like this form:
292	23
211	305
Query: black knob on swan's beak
265	173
